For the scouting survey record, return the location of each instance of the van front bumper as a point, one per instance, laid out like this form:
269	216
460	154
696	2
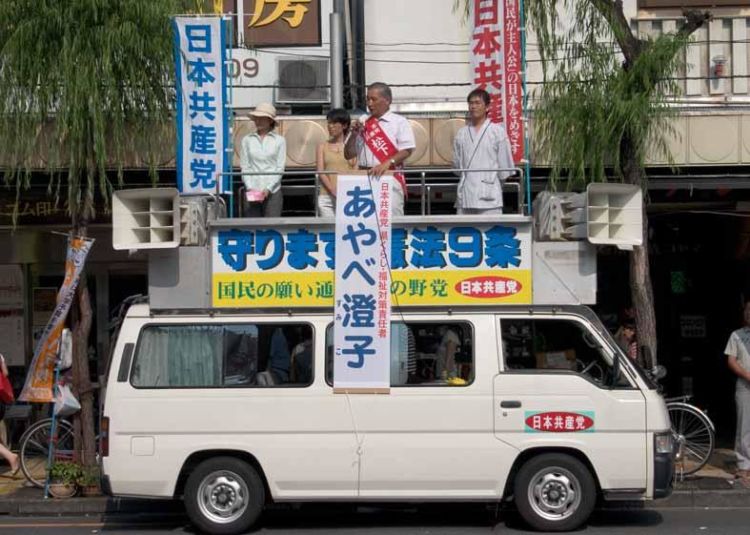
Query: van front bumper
663	471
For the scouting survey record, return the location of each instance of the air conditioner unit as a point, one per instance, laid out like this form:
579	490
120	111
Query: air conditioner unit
303	81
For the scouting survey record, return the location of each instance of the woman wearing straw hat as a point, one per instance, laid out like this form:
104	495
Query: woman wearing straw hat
263	152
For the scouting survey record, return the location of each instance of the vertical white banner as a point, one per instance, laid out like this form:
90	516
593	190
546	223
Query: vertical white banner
202	110
362	304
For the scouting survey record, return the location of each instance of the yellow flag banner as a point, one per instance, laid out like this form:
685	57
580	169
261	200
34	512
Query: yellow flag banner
38	386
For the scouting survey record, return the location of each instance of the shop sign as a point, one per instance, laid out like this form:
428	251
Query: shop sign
281	23
432	264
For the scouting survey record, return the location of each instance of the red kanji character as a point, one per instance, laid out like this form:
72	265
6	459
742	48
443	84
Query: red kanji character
485	12
487	73
487	42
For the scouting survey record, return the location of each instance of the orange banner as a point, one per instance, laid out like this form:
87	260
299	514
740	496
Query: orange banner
38	386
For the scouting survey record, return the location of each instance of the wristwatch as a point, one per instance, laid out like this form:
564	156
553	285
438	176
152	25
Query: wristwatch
393	162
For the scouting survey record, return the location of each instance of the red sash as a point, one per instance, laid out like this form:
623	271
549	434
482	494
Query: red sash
382	147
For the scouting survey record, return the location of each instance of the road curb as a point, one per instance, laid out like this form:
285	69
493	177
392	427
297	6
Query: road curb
25	506
734	498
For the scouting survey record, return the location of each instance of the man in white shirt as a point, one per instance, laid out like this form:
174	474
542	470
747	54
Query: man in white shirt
738	359
481	144
391	137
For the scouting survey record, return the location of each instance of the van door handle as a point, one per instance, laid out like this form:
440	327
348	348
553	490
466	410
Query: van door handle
510	404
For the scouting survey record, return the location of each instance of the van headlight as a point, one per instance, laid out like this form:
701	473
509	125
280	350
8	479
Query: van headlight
664	442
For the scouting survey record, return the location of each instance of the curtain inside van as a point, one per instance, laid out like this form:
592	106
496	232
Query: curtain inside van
179	356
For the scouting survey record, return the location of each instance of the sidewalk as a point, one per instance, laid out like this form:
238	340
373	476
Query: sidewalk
713	487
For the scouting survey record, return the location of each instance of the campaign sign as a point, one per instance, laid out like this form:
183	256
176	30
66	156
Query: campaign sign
202	107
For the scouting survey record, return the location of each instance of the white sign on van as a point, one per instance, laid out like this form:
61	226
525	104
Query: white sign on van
362	303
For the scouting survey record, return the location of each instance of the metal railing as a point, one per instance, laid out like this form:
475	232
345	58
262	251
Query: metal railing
421	179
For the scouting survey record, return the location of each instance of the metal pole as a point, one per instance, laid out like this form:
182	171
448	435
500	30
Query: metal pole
422	191
337	62
526	177
52	435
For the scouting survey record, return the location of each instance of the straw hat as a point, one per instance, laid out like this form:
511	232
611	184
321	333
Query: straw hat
264	109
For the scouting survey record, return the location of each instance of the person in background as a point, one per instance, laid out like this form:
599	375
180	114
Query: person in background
263	151
279	359
626	339
481	144
738	360
390	135
330	157
11	458
450	343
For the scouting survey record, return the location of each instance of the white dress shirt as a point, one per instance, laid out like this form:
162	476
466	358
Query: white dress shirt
398	130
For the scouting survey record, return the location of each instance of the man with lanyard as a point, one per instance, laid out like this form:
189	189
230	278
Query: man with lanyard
382	142
481	144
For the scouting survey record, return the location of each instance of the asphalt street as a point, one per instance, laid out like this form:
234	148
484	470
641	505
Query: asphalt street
432	520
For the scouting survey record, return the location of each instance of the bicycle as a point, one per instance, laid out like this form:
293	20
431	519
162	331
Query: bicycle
34	447
693	431
694	435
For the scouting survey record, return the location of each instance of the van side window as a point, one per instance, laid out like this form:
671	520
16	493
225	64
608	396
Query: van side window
224	355
424	353
554	344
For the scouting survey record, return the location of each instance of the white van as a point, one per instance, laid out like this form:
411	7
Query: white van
234	411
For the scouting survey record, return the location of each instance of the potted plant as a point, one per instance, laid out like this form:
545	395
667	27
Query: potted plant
63	476
89	481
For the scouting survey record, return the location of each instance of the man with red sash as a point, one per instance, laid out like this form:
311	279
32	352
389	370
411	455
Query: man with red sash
382	141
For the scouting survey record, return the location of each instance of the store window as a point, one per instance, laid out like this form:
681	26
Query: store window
424	354
229	355
555	345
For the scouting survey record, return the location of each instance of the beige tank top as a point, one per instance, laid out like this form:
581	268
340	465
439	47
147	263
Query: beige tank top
333	160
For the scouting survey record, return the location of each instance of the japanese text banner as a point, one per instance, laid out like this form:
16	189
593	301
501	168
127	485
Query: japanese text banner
496	64
38	386
435	263
202	107
362	307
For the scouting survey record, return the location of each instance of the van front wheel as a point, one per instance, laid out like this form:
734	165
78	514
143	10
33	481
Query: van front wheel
554	492
224	496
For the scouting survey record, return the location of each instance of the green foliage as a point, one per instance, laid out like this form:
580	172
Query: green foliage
89	476
66	472
83	82
597	113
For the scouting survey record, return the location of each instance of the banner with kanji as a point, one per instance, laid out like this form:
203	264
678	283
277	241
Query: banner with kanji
202	105
440	261
496	64
362	304
39	381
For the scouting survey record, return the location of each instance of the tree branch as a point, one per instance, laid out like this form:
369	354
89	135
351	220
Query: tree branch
694	19
613	12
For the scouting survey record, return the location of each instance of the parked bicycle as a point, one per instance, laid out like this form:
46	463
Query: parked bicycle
694	432
34	448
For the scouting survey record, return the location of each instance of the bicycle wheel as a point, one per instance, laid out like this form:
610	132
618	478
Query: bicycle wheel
694	437
34	448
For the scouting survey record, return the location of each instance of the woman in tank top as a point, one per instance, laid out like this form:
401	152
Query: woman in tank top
331	158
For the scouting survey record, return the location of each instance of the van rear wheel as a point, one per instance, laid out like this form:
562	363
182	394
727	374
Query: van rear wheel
224	496
554	492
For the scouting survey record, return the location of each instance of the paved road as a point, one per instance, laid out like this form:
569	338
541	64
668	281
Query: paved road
442	520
